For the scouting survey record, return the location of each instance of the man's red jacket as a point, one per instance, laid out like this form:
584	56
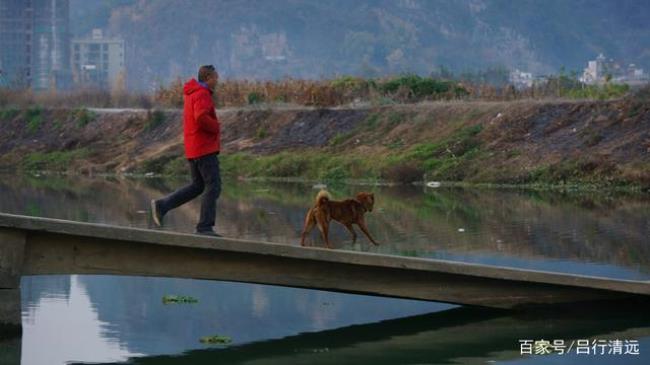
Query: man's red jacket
201	129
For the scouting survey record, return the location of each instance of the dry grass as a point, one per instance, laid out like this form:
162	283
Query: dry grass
318	93
74	99
234	93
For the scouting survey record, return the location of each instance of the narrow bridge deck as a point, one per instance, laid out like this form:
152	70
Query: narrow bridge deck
51	246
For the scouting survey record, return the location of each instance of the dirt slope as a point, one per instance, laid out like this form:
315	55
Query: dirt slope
515	142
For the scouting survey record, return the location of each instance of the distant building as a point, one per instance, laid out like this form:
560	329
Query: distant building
15	31
50	44
596	71
35	41
601	70
633	76
521	80
98	61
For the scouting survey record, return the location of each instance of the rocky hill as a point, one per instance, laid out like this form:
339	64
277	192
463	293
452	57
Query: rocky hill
312	39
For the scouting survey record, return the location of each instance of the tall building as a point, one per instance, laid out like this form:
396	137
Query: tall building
98	61
15	42
35	43
51	44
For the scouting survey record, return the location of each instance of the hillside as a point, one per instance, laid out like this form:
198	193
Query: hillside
312	39
556	142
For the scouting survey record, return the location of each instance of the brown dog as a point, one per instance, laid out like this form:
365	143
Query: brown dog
346	212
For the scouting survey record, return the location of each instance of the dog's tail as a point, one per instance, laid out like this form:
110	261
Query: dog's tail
322	197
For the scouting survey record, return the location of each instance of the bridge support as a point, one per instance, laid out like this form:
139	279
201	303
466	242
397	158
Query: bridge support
12	254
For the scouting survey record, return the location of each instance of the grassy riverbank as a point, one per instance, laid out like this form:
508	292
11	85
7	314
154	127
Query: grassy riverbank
542	143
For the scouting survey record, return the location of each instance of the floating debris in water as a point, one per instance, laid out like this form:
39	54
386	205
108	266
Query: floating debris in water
141	211
221	340
149	174
321	350
461	229
311	350
319	186
433	184
176	299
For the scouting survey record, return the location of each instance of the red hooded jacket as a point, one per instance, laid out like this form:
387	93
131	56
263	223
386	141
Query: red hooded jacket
201	129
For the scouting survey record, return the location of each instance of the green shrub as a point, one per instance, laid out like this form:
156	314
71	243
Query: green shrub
420	87
339	138
599	92
175	167
9	114
84	116
371	121
154	119
445	159
395	118
395	144
255	98
335	174
460	91
261	132
34	117
285	165
160	164
56	161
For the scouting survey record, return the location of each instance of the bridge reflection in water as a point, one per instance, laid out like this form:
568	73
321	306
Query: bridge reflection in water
272	324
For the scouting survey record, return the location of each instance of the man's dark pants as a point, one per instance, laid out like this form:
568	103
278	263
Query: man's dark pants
205	176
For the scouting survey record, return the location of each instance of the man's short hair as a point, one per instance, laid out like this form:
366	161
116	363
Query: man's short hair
205	71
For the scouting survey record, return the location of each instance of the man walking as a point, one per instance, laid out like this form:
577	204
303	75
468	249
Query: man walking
201	134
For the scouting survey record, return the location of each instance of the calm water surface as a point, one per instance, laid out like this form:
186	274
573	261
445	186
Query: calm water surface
115	319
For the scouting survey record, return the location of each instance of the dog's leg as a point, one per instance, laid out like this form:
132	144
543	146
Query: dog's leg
310	222
323	225
324	228
364	229
351	229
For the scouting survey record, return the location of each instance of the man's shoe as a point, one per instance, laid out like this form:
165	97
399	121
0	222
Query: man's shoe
155	213
209	233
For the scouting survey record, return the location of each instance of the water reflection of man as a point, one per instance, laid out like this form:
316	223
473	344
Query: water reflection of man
201	134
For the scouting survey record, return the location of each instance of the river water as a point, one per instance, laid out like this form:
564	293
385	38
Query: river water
115	319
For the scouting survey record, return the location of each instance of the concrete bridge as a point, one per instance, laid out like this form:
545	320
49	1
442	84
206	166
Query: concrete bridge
42	246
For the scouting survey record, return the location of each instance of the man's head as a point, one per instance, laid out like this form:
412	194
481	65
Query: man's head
209	75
